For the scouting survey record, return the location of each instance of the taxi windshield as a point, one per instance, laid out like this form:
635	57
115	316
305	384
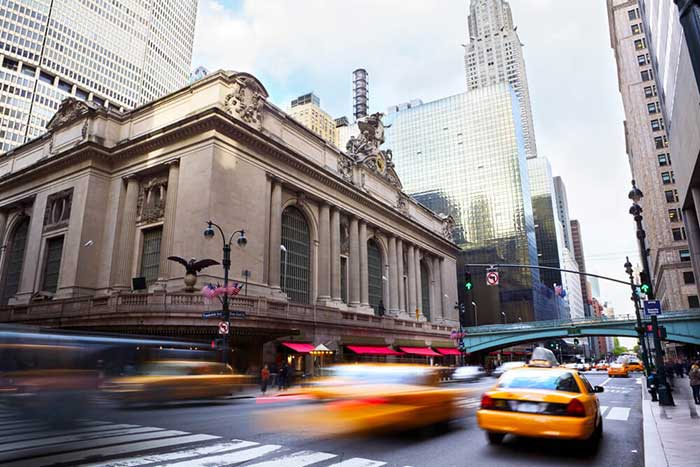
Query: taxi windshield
546	379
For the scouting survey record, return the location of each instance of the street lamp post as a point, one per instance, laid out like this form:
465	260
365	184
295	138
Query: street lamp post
476	323
209	233
505	318
637	312
284	279
665	397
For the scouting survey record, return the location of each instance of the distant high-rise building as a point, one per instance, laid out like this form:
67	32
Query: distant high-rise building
307	110
464	156
563	209
119	54
580	260
644	86
572	285
494	54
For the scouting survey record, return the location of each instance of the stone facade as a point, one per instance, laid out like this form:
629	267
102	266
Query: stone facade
654	164
123	191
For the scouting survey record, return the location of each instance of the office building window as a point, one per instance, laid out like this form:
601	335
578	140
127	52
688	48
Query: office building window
666	178
660	142
688	277
653	107
425	290
685	255
632	14
640	44
344	279
657	124
647	75
650	91
14	260
678	233
150	254
636	28
693	301
52	264
674	215
669	196
663	159
374	273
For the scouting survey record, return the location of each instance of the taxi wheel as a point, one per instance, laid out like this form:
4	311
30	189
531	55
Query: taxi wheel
495	438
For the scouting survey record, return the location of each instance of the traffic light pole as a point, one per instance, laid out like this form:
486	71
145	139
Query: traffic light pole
638	314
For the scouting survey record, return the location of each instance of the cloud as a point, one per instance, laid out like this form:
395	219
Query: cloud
411	49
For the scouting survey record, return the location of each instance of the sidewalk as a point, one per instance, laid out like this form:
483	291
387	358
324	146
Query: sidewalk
671	433
253	391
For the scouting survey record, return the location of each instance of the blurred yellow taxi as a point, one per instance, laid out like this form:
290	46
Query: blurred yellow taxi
601	366
635	365
173	380
375	398
542	400
618	369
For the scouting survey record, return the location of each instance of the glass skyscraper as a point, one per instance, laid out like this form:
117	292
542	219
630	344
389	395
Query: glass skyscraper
119	54
464	155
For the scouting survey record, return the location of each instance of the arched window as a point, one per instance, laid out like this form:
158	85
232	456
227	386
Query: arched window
14	261
425	289
294	266
374	269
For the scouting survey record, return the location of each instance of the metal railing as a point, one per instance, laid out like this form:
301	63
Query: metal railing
564	323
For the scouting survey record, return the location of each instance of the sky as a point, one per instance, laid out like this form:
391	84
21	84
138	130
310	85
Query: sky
412	49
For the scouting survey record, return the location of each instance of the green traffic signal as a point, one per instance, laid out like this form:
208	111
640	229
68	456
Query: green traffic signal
468	280
645	288
468	285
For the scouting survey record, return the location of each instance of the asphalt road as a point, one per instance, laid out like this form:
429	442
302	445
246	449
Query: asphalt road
182	432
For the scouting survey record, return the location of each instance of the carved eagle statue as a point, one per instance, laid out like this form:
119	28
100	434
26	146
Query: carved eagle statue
193	266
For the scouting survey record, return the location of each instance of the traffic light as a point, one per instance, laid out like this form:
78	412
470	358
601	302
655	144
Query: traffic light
462	316
645	285
468	284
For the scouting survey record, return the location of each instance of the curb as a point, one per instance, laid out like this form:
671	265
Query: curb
654	454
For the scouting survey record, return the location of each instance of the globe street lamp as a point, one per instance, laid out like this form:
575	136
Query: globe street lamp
665	397
210	233
505	318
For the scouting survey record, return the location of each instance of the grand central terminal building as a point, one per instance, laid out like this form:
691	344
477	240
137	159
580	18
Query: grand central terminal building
337	254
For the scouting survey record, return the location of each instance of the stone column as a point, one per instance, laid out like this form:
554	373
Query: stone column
127	234
411	260
335	255
275	235
399	274
419	283
364	272
444	274
324	253
354	263
393	277
166	248
3	226
436	304
692	229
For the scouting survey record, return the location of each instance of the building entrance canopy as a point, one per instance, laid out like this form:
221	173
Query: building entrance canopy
422	351
372	350
299	347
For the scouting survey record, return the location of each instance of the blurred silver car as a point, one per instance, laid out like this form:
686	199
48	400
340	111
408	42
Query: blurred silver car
499	370
468	374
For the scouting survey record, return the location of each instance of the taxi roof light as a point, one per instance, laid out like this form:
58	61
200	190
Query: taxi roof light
543	358
575	408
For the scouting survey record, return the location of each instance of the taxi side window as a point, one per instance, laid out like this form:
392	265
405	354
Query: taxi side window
587	384
567	383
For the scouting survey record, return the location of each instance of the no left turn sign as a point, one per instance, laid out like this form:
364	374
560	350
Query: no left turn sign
492	278
223	327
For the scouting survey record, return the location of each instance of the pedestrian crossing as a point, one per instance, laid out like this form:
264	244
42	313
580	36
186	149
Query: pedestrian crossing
31	443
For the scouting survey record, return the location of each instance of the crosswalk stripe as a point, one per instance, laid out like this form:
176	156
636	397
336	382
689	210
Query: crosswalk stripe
618	413
36	442
358	462
94	443
172	456
297	459
48	433
603	408
230	458
110	451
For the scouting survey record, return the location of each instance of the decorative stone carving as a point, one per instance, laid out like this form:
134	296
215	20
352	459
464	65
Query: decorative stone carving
58	207
301	199
345	165
402	203
71	109
364	150
151	201
448	225
247	99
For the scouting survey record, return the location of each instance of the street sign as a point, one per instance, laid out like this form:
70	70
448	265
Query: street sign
237	314
652	307
213	314
223	327
492	278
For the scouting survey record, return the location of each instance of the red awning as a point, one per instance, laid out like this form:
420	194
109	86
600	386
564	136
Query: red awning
448	351
422	351
507	353
299	347
372	350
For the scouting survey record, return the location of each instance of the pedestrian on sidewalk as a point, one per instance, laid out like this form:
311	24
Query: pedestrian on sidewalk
678	367
694	376
652	382
264	379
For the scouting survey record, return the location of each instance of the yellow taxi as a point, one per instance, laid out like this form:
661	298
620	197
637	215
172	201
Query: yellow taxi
601	366
635	365
542	400
364	398
175	380
619	368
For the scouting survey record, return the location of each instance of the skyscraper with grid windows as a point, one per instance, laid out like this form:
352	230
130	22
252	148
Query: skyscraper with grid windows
119	54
